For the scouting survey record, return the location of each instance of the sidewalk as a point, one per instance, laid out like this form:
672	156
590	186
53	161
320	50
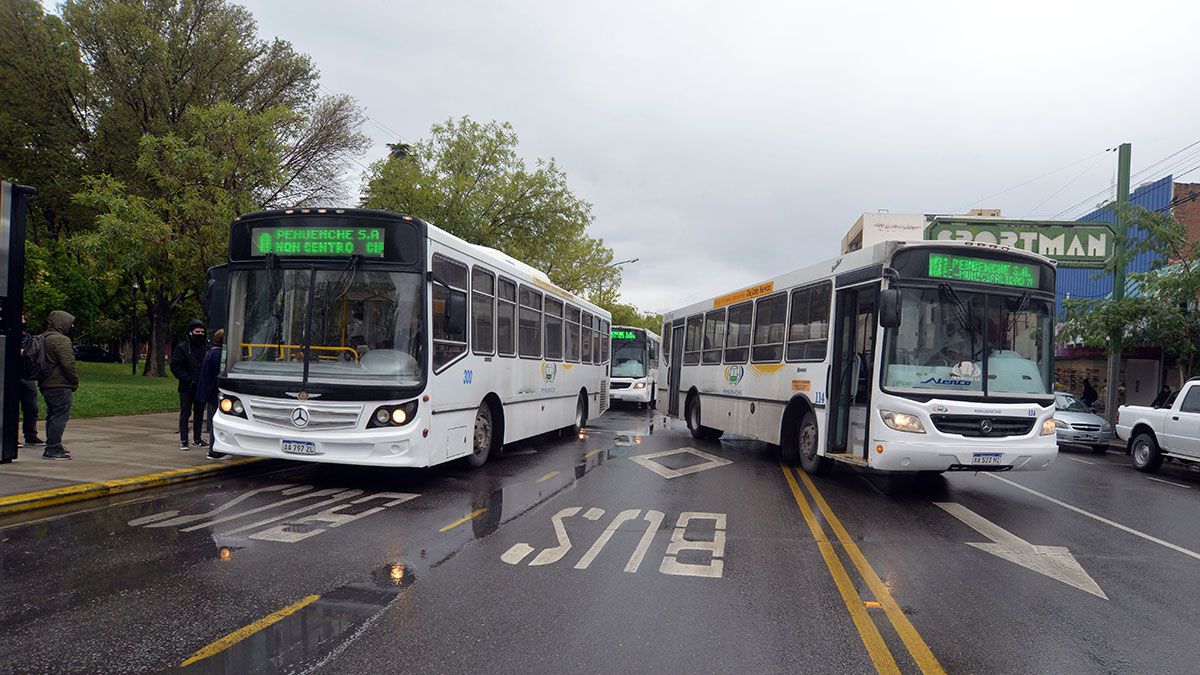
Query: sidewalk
111	454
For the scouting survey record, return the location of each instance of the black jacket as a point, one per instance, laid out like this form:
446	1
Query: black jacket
187	357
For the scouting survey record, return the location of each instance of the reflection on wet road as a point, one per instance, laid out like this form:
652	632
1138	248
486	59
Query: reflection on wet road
630	547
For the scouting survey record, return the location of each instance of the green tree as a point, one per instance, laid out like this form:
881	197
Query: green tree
627	315
1163	309
469	179
167	234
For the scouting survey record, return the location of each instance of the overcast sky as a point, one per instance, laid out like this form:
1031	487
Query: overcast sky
723	143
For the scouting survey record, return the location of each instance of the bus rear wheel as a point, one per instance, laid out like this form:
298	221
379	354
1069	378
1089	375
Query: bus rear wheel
581	414
482	438
806	447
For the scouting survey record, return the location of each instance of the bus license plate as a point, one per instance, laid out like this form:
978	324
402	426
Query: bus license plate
300	447
986	458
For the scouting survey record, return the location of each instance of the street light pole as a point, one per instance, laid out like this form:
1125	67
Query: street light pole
600	283
133	347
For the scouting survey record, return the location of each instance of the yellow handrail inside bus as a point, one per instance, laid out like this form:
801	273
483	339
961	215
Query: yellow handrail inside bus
251	346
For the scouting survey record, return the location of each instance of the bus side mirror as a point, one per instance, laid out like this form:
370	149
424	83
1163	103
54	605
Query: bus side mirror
456	314
889	308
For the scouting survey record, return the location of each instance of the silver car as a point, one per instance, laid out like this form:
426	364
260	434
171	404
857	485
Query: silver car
1076	425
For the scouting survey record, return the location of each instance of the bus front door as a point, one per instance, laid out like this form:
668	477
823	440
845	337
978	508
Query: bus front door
675	370
853	358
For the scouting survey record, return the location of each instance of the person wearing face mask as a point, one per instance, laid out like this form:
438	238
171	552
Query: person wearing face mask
185	366
58	388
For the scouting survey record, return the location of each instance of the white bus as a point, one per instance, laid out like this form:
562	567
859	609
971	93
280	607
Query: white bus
368	337
906	357
634	374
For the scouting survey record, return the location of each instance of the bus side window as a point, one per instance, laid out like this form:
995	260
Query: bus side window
448	346
768	329
666	336
483	311
506	317
529	333
808	326
588	330
554	329
604	336
691	343
737	334
571	352
714	336
653	347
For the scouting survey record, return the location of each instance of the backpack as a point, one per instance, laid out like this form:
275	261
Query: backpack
37	364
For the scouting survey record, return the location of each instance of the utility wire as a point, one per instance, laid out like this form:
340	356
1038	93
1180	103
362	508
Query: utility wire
1031	180
1069	184
1090	198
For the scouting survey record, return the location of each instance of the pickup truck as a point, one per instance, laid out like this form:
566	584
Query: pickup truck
1155	434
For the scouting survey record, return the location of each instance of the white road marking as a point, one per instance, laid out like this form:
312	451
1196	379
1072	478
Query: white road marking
1102	519
593	513
556	553
654	519
1159	480
1055	562
712	462
309	507
1081	461
679	543
594	551
290	532
183	520
319	493
517	553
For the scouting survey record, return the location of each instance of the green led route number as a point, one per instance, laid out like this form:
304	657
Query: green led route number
327	242
981	270
624	335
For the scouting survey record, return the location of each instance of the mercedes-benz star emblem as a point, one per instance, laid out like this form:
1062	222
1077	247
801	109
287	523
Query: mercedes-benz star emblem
985	426
300	417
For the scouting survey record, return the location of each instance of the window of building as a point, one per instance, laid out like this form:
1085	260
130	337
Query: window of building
769	320
529	330
714	336
448	345
483	311
506	317
737	333
808	326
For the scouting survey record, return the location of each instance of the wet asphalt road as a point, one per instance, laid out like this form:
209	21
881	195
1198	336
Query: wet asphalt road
568	555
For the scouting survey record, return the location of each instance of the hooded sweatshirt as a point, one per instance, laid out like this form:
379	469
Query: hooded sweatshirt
59	351
187	356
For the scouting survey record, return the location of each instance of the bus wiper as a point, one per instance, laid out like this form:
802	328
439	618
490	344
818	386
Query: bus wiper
962	312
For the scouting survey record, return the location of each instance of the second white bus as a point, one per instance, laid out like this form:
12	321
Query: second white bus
904	357
634	371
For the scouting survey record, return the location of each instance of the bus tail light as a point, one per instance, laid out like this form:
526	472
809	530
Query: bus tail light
393	415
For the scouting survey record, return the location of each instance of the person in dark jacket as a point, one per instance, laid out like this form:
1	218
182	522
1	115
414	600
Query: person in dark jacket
28	395
1164	395
206	388
1089	395
185	366
58	388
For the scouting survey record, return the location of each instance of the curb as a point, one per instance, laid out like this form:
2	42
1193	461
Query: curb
74	493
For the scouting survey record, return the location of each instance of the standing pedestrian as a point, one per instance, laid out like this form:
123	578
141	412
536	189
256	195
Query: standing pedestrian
29	394
1089	395
58	388
185	366
206	388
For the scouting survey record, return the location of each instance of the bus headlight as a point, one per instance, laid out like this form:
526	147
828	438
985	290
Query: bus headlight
639	385
902	422
230	405
1048	426
393	415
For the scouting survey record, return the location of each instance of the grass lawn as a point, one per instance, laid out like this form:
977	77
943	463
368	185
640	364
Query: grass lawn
108	389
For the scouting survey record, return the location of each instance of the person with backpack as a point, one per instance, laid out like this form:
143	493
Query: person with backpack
185	366
28	392
206	388
51	361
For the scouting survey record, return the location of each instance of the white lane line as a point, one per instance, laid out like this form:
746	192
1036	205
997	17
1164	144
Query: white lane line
1159	480
1082	461
1102	519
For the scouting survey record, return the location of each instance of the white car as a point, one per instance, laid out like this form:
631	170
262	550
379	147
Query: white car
1171	433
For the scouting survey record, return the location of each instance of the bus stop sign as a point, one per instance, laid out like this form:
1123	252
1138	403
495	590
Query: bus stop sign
13	200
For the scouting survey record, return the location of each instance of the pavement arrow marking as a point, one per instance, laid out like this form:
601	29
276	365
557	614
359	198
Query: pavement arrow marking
1055	562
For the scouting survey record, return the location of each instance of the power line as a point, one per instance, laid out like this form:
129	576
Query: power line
382	127
1069	183
1032	180
1166	170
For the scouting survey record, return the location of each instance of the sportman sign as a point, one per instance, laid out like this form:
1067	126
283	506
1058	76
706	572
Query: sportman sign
1071	243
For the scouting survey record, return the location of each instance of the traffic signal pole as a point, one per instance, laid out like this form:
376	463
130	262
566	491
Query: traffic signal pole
1118	289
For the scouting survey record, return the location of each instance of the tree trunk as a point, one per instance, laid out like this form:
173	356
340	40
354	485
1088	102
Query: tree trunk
160	311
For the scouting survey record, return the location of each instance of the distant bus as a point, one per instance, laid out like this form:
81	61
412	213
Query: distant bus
904	357
634	372
368	337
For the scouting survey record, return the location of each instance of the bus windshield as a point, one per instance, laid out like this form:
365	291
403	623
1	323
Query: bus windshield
969	342
629	358
359	326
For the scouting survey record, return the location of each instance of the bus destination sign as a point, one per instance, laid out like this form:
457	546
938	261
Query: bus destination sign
981	270
328	242
624	335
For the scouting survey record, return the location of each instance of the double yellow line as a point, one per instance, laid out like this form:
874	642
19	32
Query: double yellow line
877	648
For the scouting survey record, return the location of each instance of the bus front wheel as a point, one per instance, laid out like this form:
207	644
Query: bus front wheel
693	421
806	447
483	437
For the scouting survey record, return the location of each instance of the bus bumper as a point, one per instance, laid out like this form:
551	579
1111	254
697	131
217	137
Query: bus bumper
1013	455
398	447
631	395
